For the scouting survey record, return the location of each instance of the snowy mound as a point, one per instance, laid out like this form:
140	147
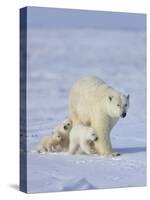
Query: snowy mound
81	184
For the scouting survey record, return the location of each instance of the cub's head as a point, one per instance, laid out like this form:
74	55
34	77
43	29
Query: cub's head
117	105
57	137
91	135
66	126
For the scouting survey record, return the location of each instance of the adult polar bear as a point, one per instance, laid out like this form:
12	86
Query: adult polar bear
92	102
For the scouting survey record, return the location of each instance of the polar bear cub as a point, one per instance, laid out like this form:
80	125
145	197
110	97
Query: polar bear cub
49	143
80	138
64	129
58	140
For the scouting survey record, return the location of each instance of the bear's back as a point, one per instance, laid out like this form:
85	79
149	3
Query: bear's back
91	81
86	87
87	90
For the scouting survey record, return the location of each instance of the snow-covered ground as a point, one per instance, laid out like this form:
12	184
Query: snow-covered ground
56	59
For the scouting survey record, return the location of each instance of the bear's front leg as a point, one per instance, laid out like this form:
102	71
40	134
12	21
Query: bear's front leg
85	147
72	148
103	144
49	148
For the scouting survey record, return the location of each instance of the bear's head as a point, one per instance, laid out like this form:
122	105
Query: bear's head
91	135
57	137
65	126
117	105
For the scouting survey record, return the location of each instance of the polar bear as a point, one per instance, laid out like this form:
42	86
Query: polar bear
49	143
92	102
58	140
64	129
80	138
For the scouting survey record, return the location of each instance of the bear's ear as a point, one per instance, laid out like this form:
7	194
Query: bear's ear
128	96
110	98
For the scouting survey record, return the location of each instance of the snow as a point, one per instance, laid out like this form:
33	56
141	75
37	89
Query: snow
56	59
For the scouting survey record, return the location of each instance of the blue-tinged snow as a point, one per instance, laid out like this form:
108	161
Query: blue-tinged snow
57	58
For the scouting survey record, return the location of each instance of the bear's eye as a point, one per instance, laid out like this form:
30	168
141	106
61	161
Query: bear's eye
125	105
118	105
68	124
58	136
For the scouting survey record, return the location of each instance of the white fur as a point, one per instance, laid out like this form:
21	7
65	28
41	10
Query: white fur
80	138
58	140
64	129
49	143
92	102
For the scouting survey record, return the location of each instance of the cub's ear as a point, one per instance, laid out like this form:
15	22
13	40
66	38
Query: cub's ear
110	98
128	97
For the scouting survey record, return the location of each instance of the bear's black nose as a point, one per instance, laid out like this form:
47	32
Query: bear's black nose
123	114
65	127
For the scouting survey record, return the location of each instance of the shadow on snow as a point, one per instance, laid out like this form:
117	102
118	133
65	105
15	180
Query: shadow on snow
130	149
